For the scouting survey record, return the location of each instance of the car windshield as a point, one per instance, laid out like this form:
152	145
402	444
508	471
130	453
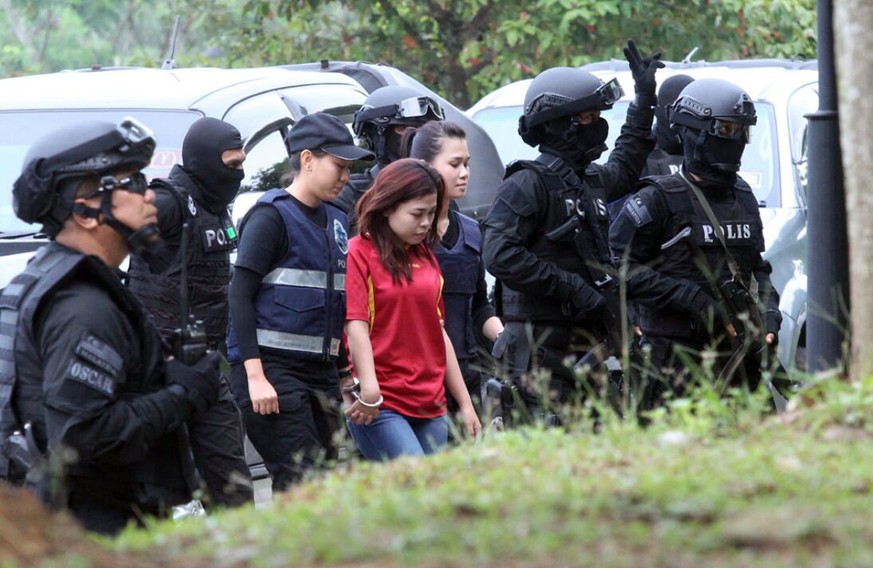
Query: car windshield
759	167
20	129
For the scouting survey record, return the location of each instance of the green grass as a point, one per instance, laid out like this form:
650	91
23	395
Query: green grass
712	483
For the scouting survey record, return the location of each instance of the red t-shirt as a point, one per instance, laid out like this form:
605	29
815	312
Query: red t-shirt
406	331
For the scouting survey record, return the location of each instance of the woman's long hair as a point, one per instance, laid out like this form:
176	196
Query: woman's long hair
398	182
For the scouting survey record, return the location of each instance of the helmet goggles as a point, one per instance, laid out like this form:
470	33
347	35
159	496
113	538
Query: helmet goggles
557	106
412	108
718	127
415	107
730	130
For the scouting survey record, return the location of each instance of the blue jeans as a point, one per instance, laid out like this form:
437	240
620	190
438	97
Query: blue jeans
392	435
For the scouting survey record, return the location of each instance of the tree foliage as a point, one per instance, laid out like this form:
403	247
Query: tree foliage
461	48
466	48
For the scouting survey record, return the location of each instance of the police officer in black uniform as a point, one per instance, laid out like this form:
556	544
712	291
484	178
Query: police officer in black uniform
665	159
667	156
196	195
98	409
386	113
679	273
546	234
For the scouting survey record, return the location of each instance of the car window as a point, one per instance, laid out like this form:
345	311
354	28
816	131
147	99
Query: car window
338	100
22	128
759	162
252	114
501	124
801	103
264	156
266	162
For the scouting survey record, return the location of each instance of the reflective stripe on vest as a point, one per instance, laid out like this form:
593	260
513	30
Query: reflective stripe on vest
304	278
295	342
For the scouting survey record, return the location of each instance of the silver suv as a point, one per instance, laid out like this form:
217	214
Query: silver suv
774	163
261	103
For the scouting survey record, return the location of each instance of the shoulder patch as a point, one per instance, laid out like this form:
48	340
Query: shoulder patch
99	354
91	377
340	236
637	211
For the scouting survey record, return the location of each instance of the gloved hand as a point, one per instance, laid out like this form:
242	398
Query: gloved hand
706	313
643	70
200	381
772	324
588	300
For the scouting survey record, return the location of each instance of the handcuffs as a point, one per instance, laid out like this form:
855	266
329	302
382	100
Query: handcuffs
355	390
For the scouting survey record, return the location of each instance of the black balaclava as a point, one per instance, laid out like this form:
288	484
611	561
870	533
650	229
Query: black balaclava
715	160
392	146
576	143
667	136
204	143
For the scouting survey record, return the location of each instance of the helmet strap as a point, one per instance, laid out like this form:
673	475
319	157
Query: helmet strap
137	241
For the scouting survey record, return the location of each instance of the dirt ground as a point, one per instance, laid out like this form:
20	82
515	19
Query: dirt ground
31	535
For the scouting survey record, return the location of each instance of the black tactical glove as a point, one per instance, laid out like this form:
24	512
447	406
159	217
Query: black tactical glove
772	324
200	381
643	71
706	313
588	300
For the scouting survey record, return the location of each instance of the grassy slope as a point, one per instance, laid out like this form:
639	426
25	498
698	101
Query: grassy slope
709	486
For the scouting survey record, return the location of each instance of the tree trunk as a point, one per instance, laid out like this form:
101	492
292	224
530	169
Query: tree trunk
853	20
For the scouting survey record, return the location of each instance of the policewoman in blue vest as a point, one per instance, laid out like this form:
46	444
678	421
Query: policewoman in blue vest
287	304
468	312
681	274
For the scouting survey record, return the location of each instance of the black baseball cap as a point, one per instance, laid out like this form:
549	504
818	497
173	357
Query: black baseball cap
322	131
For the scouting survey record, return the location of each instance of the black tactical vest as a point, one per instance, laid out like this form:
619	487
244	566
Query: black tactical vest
21	392
692	251
166	475
574	234
211	238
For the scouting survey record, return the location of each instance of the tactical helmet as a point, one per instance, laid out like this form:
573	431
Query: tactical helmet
667	134
563	91
57	163
706	104
392	105
715	119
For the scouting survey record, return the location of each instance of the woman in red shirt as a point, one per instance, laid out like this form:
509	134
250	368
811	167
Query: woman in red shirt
394	320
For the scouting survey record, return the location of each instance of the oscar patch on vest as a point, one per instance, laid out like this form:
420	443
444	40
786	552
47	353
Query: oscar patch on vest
91	377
